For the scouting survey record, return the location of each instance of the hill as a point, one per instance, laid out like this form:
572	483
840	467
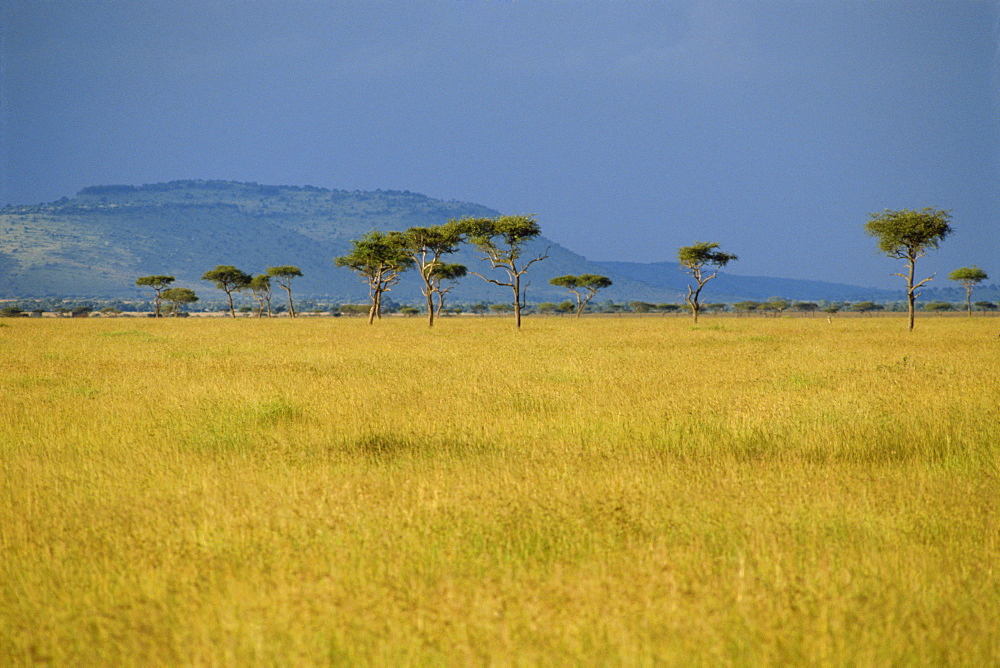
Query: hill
96	243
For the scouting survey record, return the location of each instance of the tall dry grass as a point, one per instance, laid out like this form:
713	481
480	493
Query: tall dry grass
602	491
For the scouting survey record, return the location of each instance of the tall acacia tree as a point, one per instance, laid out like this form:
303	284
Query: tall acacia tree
969	277
159	284
908	235
578	285
380	259
502	241
284	275
698	260
426	246
229	279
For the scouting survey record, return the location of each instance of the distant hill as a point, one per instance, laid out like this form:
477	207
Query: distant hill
96	244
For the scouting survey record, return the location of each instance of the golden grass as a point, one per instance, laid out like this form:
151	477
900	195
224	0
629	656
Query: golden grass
599	491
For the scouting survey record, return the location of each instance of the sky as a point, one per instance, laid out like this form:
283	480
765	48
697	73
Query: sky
629	128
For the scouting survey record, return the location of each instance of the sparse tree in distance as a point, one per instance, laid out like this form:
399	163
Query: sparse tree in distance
284	275
501	241
260	288
159	284
426	246
178	297
380	259
908	235
578	285
969	277
229	279
695	260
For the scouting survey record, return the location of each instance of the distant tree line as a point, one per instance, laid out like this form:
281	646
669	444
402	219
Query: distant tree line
381	258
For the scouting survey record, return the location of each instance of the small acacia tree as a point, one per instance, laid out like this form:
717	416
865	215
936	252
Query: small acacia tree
969	277
426	246
178	297
502	241
229	279
284	275
159	284
578	285
260	288
380	259
908	235
445	272
696	260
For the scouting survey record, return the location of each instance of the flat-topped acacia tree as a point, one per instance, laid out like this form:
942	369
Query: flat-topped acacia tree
426	246
502	241
697	260
284	275
578	285
159	284
229	279
969	277
379	259
908	235
179	297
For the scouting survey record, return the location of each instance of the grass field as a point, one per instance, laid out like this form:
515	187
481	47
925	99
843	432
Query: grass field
613	491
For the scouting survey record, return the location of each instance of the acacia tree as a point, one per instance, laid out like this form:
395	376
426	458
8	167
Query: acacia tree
589	283
179	297
969	277
697	260
229	279
501	241
445	272
284	275
159	284
426	246
380	259
908	235
260	288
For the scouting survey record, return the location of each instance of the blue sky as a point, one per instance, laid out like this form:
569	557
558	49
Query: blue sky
629	128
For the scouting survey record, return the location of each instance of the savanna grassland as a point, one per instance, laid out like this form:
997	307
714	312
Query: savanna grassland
623	491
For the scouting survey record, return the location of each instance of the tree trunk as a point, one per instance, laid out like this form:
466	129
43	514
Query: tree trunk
430	307
232	310
517	301
910	297
291	306
968	299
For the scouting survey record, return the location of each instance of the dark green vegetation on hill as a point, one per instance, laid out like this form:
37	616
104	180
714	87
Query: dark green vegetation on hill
97	243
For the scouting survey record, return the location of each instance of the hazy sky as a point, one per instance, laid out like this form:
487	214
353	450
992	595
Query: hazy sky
629	128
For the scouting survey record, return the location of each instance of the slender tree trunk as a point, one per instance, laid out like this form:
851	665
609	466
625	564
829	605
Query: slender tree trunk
430	306
910	297
517	300
291	306
968	299
232	309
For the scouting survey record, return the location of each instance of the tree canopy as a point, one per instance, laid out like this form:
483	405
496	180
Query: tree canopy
159	283
380	259
696	259
908	235
284	275
969	277
229	279
584	286
502	241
